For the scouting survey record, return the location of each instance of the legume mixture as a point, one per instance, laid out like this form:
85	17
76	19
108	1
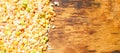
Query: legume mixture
24	25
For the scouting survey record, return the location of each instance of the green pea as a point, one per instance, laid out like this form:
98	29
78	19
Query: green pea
46	38
42	15
22	23
28	9
25	3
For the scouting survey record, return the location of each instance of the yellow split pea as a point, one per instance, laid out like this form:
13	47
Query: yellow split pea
24	25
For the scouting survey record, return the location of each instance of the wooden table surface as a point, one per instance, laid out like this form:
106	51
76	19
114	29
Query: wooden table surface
86	27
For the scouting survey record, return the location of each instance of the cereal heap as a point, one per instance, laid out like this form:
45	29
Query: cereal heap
24	25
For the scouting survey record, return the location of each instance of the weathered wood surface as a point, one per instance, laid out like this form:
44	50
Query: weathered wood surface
86	27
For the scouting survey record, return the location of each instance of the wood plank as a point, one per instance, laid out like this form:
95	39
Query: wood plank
86	30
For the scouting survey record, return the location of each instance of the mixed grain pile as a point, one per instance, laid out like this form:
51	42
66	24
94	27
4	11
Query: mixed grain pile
24	25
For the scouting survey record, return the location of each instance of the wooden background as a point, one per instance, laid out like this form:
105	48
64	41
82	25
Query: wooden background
86	26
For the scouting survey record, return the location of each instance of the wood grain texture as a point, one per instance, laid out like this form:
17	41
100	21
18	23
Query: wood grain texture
86	27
